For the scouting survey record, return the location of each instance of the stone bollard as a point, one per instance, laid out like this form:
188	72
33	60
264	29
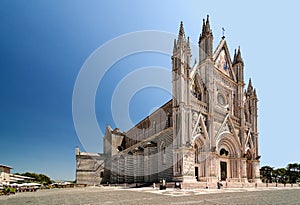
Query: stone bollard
153	185
162	184
219	185
177	185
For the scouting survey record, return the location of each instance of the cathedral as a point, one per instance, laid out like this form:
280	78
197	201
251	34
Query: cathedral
206	133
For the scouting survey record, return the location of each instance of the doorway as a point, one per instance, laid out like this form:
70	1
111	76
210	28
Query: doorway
196	173
223	166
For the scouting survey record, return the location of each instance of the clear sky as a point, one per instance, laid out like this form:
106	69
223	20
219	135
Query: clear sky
44	44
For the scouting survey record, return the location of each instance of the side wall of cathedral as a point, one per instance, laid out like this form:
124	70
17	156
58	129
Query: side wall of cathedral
145	152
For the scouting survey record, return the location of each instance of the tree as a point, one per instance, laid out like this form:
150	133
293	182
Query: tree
266	173
39	178
290	174
293	172
280	175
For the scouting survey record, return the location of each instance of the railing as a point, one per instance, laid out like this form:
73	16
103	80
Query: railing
202	105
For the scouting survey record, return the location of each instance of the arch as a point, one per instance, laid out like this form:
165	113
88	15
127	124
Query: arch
227	141
198	146
249	154
249	143
162	144
199	138
162	148
200	157
229	151
198	89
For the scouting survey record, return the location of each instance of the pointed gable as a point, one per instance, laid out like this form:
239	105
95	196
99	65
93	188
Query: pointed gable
223	61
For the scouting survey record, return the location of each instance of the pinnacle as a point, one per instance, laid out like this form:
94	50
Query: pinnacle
203	26
181	29
207	24
250	87
239	56
234	57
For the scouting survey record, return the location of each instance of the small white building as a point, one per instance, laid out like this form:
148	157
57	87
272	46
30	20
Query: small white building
4	174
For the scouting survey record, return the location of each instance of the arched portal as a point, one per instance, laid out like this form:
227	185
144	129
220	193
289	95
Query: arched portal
228	150
200	159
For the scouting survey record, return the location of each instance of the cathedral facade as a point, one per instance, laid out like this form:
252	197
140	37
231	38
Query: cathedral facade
207	132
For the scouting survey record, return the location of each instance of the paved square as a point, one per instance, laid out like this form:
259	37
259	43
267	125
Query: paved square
95	195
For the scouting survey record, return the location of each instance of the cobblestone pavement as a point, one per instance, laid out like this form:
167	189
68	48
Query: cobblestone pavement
101	195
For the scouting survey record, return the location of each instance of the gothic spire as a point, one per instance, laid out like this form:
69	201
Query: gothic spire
207	26
181	41
181	30
250	87
239	58
182	44
254	92
203	27
205	41
234	57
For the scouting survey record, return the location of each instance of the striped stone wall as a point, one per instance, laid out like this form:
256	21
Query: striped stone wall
89	168
149	161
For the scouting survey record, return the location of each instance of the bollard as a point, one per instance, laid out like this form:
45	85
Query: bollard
219	185
177	185
162	185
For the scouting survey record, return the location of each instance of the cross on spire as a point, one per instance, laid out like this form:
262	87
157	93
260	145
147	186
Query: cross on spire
223	32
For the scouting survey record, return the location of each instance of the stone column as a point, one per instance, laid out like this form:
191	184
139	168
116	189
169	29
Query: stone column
256	172
212	168
188	168
244	170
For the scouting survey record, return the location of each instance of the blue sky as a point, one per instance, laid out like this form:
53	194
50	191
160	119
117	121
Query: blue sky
43	45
